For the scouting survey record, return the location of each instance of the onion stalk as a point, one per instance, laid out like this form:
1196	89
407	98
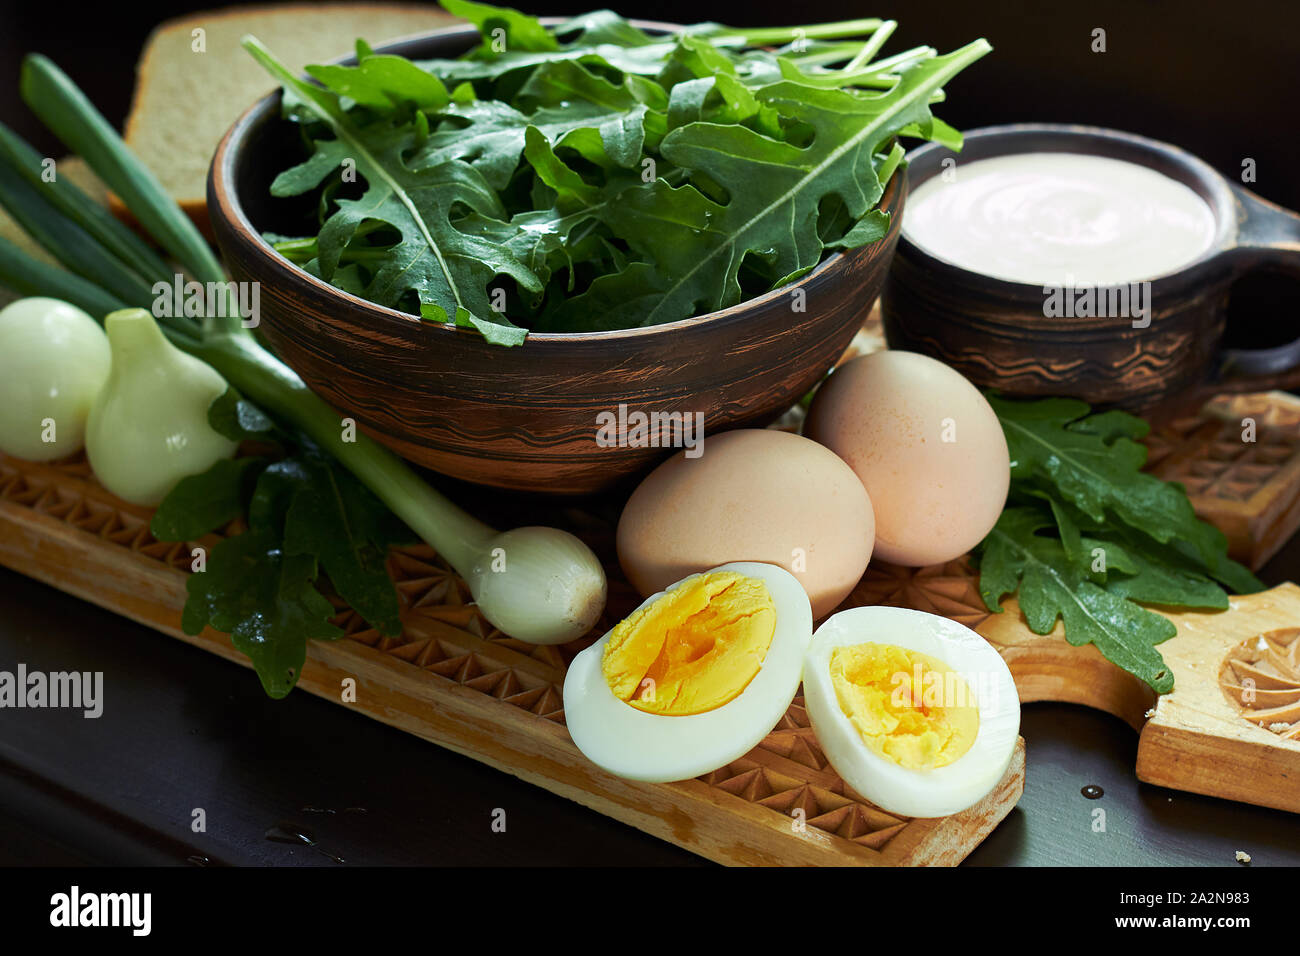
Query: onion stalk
539	585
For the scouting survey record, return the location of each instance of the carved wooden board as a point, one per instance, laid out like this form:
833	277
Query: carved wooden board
1239	460
1231	726
451	679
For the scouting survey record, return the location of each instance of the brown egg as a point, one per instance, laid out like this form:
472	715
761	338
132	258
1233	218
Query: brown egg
926	445
752	495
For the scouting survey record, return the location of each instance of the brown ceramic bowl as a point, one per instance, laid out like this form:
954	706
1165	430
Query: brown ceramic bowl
996	333
526	417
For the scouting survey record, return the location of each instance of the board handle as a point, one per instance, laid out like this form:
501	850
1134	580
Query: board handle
1047	667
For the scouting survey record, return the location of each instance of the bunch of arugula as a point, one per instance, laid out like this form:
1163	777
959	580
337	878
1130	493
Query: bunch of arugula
594	176
1088	537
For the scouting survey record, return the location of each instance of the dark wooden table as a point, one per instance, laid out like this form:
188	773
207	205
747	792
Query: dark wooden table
184	731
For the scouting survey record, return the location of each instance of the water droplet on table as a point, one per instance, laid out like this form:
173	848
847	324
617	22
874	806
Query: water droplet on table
282	833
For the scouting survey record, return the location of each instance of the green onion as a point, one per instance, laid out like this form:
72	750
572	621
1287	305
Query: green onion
73	118
69	243
27	275
80	208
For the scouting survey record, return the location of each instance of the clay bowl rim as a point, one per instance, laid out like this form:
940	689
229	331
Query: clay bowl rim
224	203
1010	138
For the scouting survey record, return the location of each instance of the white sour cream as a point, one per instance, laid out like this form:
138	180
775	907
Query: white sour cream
1059	219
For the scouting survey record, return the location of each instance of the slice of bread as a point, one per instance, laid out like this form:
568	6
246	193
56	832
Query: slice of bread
186	97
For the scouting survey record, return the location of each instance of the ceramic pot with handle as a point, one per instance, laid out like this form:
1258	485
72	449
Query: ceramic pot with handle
996	333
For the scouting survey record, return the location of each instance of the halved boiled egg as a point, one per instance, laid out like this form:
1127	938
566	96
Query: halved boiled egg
915	712
695	677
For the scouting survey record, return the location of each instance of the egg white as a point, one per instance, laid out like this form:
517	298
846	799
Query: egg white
658	748
893	788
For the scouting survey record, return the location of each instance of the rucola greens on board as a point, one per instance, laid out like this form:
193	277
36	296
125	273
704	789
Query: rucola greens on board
1116	537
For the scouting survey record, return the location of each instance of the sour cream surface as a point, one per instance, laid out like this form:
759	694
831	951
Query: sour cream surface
1059	219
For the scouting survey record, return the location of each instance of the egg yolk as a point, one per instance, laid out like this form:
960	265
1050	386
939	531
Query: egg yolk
695	648
908	707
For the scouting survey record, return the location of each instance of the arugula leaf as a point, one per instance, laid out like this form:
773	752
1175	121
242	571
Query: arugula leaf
572	192
699	244
870	228
335	519
634	61
936	130
609	177
618	300
1150	572
568	84
520	31
1094	462
265	599
1094	474
308	518
694	57
208	501
720	99
306	514
1014	557
601	38
490	135
384	82
1067	525
604	26
1078	474
449	270
238	419
1150	582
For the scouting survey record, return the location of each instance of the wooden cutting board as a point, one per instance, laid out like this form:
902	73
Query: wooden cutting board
451	679
1239	459
1216	733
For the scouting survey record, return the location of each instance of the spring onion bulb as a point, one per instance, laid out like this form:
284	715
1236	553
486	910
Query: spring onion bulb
149	428
539	585
54	359
536	584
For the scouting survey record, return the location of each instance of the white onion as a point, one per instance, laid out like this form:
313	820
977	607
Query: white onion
54	359
538	585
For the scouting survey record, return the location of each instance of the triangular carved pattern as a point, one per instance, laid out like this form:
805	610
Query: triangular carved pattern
1206	452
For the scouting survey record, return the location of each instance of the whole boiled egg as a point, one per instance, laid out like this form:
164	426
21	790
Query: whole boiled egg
915	712
751	495
694	678
927	446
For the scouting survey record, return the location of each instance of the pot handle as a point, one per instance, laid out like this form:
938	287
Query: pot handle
1268	238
